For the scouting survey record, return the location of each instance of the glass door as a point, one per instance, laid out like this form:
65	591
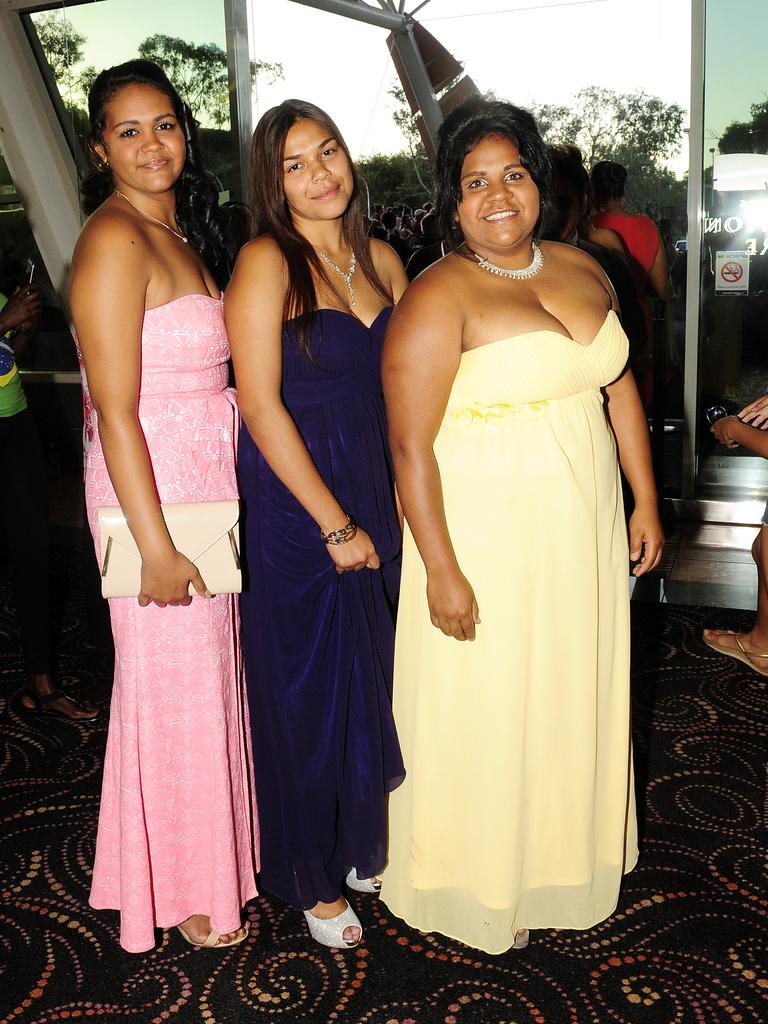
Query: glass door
733	331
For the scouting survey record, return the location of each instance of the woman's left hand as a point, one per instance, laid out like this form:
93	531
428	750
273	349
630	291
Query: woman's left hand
726	430
646	540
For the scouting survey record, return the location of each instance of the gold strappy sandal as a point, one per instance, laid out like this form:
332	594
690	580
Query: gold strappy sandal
741	654
212	942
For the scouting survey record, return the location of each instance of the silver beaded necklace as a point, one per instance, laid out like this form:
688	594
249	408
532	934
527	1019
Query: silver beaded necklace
346	277
150	217
515	275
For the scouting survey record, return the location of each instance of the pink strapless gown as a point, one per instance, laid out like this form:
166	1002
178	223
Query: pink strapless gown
178	832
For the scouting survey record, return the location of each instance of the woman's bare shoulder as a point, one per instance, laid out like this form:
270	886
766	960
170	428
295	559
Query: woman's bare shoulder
438	293
566	257
112	234
112	244
607	238
261	256
447	274
381	251
576	269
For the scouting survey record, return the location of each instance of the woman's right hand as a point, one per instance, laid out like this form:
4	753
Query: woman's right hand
358	553
166	581
22	308
756	413
452	604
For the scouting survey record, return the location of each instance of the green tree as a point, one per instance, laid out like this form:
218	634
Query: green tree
85	79
602	121
199	72
391	179
635	129
747	136
62	45
406	122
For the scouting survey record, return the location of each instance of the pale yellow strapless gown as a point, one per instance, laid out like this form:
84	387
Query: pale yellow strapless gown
518	807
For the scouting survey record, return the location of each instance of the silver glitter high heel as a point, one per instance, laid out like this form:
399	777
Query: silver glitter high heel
522	938
331	931
362	884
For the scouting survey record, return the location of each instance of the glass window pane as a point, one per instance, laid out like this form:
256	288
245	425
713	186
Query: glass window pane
53	348
734	296
186	37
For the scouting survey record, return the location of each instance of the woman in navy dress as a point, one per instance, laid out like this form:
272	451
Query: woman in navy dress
306	312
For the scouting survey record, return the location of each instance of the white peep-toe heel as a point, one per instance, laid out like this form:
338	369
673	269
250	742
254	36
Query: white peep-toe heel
330	932
362	884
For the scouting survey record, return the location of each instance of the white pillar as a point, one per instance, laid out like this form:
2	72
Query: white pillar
38	158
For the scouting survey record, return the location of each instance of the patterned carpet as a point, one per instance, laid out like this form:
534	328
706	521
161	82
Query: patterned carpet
687	945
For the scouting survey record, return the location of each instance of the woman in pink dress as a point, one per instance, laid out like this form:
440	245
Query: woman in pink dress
177	841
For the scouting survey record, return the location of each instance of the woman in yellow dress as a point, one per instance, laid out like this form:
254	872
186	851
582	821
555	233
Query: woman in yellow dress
508	394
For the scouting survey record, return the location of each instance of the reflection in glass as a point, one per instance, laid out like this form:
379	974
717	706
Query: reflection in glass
733	352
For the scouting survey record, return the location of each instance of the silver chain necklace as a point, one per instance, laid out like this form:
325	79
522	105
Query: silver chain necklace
515	275
346	277
150	217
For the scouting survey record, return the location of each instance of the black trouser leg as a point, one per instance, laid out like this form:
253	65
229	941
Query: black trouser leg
24	513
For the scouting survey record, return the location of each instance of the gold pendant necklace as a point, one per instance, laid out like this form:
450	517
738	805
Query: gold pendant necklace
150	217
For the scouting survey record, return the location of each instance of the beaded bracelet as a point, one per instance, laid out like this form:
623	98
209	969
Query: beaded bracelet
341	536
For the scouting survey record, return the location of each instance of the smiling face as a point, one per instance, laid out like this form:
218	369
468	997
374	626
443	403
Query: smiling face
142	140
317	176
499	204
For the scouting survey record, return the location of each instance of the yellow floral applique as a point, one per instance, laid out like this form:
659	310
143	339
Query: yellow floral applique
499	415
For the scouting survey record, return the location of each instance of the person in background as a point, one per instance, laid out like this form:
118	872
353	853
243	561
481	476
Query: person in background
571	192
750	430
647	259
25	512
306	313
177	841
390	221
430	250
377	230
509	399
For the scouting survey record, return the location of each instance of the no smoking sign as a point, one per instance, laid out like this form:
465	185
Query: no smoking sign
731	273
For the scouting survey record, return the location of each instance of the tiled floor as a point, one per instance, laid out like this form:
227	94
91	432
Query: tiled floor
705	564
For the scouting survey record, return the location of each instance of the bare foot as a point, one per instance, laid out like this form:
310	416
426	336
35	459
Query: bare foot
42	685
198	928
751	645
325	911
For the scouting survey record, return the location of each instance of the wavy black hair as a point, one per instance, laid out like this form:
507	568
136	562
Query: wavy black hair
214	231
467	126
272	216
609	181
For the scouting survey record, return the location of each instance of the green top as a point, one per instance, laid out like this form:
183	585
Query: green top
12	397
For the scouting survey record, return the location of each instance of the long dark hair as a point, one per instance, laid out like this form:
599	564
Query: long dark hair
272	217
461	131
212	229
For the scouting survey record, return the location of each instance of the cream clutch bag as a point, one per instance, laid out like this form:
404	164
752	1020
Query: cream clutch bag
205	531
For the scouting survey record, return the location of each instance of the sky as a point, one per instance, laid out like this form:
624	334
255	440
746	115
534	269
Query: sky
527	51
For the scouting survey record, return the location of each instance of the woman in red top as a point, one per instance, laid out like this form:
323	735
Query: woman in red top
645	252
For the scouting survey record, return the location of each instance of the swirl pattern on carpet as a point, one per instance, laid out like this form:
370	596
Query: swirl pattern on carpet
688	943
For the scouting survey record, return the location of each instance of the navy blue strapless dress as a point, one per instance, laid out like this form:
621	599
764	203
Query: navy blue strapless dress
318	646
